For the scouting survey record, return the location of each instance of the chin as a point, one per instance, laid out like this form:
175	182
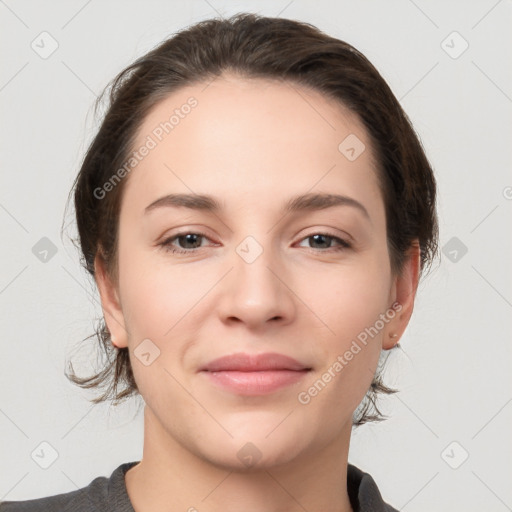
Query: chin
257	446
250	457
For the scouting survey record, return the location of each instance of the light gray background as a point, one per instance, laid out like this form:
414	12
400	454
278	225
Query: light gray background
454	371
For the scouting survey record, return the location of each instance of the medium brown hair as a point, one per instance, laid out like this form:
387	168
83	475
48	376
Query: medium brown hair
252	46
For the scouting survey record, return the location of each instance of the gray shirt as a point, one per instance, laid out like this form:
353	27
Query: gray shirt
109	494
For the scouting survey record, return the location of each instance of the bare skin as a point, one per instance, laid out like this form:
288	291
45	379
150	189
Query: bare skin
253	145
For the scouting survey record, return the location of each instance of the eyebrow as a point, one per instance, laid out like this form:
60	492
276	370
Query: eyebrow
304	202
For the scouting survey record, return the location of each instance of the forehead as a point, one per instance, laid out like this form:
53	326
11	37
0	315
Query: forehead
281	109
255	136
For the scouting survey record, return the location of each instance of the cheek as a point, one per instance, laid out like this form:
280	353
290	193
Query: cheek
349	300
350	353
350	303
152	298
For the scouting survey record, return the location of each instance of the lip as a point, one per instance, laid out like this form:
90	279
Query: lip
254	374
243	362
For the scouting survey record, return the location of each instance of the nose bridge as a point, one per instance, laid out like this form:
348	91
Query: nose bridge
254	293
253	263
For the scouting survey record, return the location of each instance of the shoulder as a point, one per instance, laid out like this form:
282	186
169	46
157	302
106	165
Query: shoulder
363	492
70	501
99	495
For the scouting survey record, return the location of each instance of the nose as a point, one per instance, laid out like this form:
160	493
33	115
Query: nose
256	292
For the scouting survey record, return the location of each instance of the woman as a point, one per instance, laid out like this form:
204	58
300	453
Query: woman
256	210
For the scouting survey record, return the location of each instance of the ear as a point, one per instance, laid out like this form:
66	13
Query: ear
403	293
110	303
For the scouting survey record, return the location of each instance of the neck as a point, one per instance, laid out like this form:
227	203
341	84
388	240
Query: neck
171	474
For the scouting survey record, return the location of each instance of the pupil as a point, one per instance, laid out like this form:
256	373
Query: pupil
190	238
316	237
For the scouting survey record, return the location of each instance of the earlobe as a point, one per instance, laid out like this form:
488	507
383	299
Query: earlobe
404	293
110	304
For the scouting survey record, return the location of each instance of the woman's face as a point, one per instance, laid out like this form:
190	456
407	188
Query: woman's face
252	277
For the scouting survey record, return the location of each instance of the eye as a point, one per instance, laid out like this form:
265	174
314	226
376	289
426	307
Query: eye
324	239
186	239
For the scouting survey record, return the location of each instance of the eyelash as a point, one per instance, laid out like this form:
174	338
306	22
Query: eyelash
167	247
